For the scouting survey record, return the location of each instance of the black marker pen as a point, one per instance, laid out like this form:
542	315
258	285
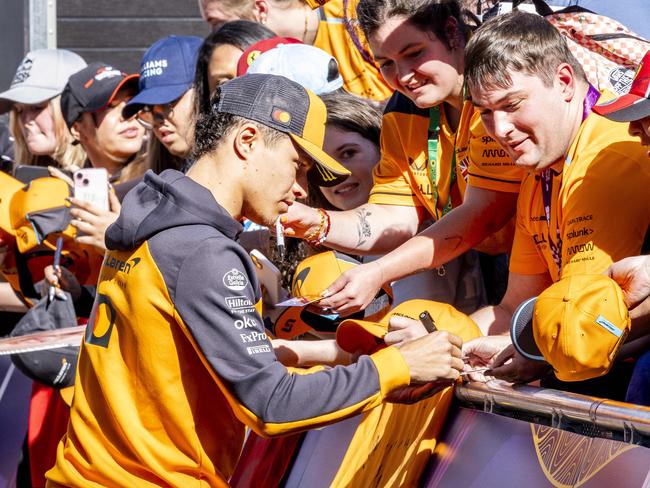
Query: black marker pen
427	321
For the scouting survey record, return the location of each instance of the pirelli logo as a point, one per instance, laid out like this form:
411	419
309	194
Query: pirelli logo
258	349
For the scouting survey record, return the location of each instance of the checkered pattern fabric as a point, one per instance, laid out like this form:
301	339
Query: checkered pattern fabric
608	51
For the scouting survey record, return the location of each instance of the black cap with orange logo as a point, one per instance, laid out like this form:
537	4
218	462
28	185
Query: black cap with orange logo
92	89
284	105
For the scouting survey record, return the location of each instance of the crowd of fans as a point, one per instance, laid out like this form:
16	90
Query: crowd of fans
452	199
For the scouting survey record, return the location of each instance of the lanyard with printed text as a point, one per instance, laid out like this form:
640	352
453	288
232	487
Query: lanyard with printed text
547	190
433	138
547	187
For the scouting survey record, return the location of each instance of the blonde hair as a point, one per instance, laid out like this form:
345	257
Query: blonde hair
241	9
66	155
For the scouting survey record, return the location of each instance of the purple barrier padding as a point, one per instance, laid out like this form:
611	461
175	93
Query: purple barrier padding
15	392
481	450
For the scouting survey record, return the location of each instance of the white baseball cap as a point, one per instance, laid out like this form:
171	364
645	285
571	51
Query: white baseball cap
41	75
307	65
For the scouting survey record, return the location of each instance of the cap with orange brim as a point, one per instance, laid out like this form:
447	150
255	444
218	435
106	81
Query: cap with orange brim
577	325
313	275
285	106
38	211
92	89
366	337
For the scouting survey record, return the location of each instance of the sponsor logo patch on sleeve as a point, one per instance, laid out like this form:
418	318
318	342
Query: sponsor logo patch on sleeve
235	280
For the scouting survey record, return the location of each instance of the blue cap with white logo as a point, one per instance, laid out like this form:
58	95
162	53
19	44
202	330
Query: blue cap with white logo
166	72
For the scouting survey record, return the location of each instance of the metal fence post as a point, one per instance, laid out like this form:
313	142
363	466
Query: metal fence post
42	24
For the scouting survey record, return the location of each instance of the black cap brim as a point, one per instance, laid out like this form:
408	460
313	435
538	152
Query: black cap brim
54	367
128	82
626	108
521	331
634	112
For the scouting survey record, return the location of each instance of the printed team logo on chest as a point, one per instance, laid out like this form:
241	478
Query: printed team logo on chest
235	280
101	322
418	165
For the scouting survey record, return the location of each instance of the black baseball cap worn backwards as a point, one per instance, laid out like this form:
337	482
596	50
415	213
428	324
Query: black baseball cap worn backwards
92	89
286	106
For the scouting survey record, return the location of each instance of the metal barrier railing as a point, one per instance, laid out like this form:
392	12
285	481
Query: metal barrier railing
594	416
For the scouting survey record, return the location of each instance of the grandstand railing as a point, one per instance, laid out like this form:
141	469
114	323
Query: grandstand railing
586	415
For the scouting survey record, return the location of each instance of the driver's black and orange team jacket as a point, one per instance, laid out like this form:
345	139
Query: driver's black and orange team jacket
176	362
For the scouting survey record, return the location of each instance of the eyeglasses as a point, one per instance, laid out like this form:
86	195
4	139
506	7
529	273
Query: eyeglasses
150	114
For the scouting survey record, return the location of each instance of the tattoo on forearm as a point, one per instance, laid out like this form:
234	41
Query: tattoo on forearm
364	232
454	241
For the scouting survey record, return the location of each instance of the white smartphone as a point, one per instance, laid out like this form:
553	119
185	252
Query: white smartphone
269	276
91	185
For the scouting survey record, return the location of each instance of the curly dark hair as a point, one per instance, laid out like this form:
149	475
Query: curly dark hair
212	127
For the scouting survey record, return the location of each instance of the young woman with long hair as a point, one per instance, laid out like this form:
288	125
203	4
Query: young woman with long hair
36	123
437	160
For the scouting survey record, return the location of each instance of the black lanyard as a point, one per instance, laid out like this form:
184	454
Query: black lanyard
547	187
433	138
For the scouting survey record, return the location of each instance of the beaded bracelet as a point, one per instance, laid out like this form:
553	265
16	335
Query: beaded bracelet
318	236
311	235
323	235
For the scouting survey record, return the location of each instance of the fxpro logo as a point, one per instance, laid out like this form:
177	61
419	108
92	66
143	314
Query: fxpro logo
254	336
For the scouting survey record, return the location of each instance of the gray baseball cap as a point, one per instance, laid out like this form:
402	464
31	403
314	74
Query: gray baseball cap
41	76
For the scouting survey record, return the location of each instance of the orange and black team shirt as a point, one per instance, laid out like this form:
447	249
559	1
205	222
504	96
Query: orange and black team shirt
599	207
360	73
176	362
405	176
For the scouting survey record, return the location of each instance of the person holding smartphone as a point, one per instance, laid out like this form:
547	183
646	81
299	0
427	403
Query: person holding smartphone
92	103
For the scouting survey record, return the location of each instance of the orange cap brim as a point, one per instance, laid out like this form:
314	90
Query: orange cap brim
356	336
